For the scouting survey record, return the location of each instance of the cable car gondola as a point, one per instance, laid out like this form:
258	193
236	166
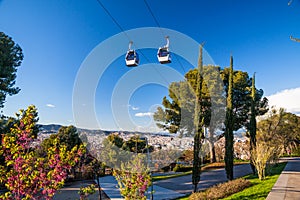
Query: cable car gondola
163	53
132	57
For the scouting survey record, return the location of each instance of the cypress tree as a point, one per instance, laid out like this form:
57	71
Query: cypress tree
229	127
252	129
198	123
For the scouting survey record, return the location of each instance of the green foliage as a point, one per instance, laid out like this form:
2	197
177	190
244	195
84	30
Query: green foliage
229	126
221	190
26	175
11	57
261	156
111	155
280	129
242	99
67	135
135	144
277	134
116	151
164	158
6	123
85	192
252	125
177	112
199	118
116	140
182	168
133	179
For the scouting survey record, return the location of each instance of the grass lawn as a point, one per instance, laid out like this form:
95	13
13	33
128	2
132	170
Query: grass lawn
163	177
259	189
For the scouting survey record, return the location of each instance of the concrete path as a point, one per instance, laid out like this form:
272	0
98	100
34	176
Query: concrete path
109	186
70	192
210	178
287	186
177	187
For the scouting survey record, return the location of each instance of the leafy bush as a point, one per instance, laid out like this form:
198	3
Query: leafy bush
182	168
222	190
133	178
84	192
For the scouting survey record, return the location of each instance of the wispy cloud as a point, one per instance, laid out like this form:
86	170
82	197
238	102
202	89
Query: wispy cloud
288	99
50	105
146	114
133	107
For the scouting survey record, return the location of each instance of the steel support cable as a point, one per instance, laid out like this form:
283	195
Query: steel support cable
121	28
162	32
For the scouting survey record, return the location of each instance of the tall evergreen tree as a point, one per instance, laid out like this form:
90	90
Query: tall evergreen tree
11	57
198	124
229	127
252	129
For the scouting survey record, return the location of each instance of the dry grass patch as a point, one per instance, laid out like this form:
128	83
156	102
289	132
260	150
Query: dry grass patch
222	190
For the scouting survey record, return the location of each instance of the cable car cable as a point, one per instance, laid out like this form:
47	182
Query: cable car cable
158	25
121	28
114	20
153	16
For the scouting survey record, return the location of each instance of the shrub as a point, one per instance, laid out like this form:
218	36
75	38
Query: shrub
222	190
84	192
133	178
182	168
262	154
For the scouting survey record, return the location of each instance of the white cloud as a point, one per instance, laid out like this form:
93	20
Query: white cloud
288	99
135	108
143	114
50	105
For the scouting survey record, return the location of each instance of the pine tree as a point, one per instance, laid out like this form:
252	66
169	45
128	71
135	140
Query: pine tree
11	57
229	127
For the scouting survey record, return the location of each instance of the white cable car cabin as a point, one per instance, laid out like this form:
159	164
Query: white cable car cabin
163	53
132	57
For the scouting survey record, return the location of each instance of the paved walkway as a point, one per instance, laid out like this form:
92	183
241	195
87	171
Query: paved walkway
210	178
287	186
70	192
109	186
177	187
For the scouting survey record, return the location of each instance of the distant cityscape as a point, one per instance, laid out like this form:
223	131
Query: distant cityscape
164	141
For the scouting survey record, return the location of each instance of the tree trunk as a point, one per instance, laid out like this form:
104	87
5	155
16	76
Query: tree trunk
211	143
197	162
252	124
198	124
229	127
212	153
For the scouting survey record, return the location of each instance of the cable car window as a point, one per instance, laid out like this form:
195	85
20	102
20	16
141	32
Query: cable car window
130	56
163	52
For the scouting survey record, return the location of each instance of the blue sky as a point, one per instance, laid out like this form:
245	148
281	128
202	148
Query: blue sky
57	37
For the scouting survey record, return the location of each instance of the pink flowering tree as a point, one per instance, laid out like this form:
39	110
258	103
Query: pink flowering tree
26	175
134	178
